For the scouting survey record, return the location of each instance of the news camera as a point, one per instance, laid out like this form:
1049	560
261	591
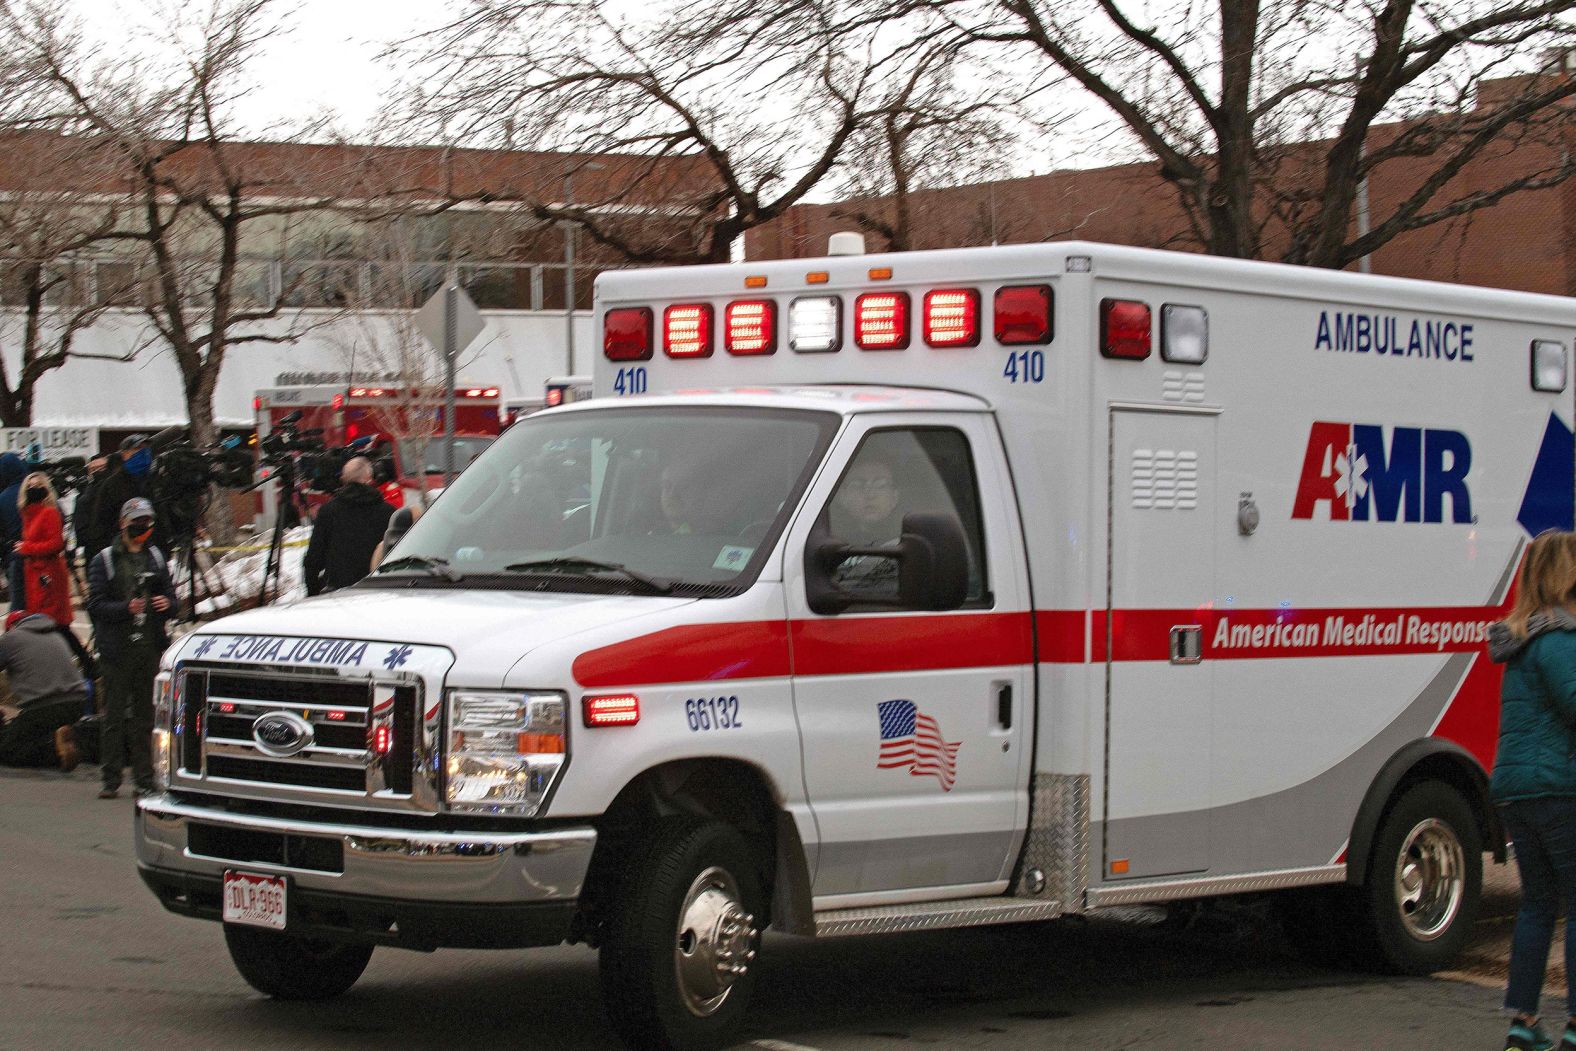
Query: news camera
305	455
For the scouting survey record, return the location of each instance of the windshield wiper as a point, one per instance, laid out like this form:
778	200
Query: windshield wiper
586	566
435	567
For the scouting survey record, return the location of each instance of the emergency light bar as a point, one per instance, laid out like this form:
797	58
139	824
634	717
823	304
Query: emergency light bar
952	317
1023	314
626	334
686	330
815	324
881	321
1124	329
751	327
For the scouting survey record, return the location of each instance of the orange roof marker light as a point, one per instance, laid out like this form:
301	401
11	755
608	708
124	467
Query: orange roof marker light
881	273
817	277
755	281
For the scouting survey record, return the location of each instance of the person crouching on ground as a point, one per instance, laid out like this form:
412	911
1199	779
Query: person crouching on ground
1534	781
48	689
130	596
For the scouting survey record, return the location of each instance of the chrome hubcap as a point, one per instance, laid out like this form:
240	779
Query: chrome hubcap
1429	879
715	942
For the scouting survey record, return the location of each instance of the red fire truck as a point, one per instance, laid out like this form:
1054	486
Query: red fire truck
402	426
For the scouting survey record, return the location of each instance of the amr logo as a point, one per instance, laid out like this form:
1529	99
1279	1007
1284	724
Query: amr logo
1367	472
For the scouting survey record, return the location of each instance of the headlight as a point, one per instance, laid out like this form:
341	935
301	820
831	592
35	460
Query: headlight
505	750
163	707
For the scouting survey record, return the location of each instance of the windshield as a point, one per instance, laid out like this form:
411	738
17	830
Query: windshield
638	500
425	455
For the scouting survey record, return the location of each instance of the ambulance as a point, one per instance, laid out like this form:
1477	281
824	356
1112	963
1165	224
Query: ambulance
900	592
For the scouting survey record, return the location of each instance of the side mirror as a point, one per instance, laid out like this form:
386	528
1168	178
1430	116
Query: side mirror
932	567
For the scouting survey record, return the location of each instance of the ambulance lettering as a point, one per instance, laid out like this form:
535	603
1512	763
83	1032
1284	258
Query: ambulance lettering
1368	472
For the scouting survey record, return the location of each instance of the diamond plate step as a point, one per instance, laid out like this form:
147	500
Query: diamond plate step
935	915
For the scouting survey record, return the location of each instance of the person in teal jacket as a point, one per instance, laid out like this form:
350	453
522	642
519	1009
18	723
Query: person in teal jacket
1534	780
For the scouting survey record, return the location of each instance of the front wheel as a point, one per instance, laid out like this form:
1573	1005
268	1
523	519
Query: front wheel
677	958
1424	881
290	967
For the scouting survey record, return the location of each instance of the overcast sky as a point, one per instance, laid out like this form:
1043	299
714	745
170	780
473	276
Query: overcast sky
327	59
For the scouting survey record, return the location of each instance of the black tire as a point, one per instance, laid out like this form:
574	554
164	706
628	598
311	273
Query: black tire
290	967
654	1002
1404	927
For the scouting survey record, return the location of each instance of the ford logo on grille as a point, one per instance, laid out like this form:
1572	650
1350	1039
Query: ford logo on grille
281	734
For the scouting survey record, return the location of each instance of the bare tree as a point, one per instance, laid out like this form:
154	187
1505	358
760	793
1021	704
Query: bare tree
684	130
53	288
940	117
193	195
1267	116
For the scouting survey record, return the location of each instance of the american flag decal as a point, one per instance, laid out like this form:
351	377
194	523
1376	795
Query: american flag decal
912	739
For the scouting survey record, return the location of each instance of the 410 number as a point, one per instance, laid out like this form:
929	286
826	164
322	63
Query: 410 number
1025	366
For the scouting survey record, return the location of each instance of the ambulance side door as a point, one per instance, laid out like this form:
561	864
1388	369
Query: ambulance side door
914	723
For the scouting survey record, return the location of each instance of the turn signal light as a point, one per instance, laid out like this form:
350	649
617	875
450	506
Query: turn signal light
952	317
881	321
752	327
1124	329
618	709
626	334
686	330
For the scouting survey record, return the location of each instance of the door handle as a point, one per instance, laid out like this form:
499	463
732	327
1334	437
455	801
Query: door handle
1004	705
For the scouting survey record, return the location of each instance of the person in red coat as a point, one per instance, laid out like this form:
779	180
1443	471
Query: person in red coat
42	550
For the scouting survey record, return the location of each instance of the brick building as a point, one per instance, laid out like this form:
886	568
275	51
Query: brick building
1525	242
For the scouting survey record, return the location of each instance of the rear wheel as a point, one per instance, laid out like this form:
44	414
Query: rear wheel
290	967
1424	880
677	957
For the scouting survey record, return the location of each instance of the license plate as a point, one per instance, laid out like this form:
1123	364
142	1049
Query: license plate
254	901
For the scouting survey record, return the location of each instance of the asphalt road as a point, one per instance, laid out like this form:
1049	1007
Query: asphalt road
89	960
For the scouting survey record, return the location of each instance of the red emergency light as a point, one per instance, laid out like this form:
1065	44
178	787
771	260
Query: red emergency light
338	402
555	396
1023	314
257	403
686	330
619	709
752	327
626	334
881	321
1124	329
952	317
382	739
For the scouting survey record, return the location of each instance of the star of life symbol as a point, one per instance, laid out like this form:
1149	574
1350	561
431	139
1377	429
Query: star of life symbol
397	657
204	646
1351	475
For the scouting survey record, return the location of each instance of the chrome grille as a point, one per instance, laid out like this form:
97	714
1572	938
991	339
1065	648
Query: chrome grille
345	738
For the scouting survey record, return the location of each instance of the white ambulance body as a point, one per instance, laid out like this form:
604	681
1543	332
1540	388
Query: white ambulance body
1196	565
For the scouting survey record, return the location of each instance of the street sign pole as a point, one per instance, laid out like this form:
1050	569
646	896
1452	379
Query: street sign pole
451	351
450	322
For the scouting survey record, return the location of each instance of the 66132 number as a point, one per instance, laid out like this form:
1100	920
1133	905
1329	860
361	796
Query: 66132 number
712	713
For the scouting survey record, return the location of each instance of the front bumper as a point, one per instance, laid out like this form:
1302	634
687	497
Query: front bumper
407	887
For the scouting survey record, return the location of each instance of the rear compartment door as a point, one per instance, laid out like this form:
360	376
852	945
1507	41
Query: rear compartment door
1164	512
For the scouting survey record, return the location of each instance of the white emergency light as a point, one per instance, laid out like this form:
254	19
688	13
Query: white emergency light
815	324
1548	365
1184	334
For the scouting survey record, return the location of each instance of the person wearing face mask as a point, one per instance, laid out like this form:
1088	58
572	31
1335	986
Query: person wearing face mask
46	582
130	596
126	476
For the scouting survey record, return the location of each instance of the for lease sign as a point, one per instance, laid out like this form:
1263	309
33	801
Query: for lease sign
50	443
